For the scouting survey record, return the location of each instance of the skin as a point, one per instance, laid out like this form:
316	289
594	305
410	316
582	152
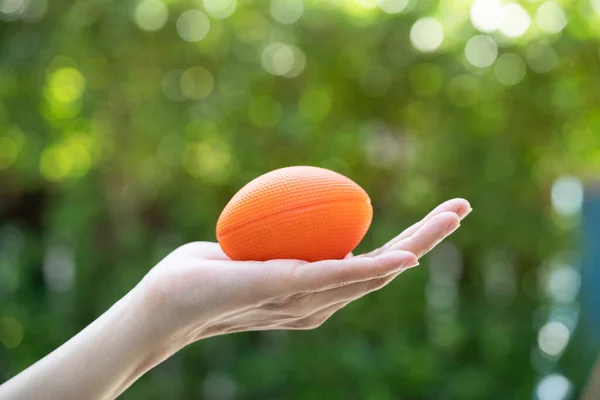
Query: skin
197	292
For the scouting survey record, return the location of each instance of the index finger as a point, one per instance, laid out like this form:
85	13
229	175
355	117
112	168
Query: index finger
460	207
324	275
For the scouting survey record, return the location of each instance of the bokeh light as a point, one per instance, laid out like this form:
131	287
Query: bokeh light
55	163
11	331
250	27
499	277
384	149
59	269
35	10
487	15
541	57
427	34
567	196
208	157
481	51
286	11
196	83
442	294
12	9
515	20
356	6
283	60
510	69
392	6
220	9
315	104
151	15
66	85
299	63
219	386
278	58
171	85
8	152
553	337
563	284
193	25
553	387
550	17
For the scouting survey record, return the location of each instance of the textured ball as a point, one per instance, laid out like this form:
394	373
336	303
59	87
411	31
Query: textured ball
304	213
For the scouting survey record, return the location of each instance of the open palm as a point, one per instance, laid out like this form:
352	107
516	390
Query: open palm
199	292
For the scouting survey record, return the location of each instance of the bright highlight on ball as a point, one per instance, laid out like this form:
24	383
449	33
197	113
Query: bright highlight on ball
304	213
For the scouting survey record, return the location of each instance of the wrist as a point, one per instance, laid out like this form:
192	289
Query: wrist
150	328
173	316
132	341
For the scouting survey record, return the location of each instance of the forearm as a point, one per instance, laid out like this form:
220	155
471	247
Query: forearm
98	363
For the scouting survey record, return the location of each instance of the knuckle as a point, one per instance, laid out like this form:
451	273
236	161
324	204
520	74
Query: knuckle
189	248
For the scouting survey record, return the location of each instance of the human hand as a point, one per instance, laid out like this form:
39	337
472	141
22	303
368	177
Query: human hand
198	292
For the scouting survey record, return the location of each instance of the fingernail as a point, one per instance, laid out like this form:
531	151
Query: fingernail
409	265
452	226
463	213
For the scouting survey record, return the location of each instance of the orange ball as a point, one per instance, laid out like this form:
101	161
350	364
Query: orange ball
304	213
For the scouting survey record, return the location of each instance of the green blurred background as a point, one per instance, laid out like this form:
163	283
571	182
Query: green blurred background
125	127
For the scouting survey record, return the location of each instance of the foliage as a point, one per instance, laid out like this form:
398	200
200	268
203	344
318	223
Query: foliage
125	127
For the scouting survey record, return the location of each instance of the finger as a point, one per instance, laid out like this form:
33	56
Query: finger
347	294
460	207
205	250
429	235
303	304
329	274
349	255
280	278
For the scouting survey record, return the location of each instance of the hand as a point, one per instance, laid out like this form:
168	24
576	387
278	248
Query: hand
198	292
